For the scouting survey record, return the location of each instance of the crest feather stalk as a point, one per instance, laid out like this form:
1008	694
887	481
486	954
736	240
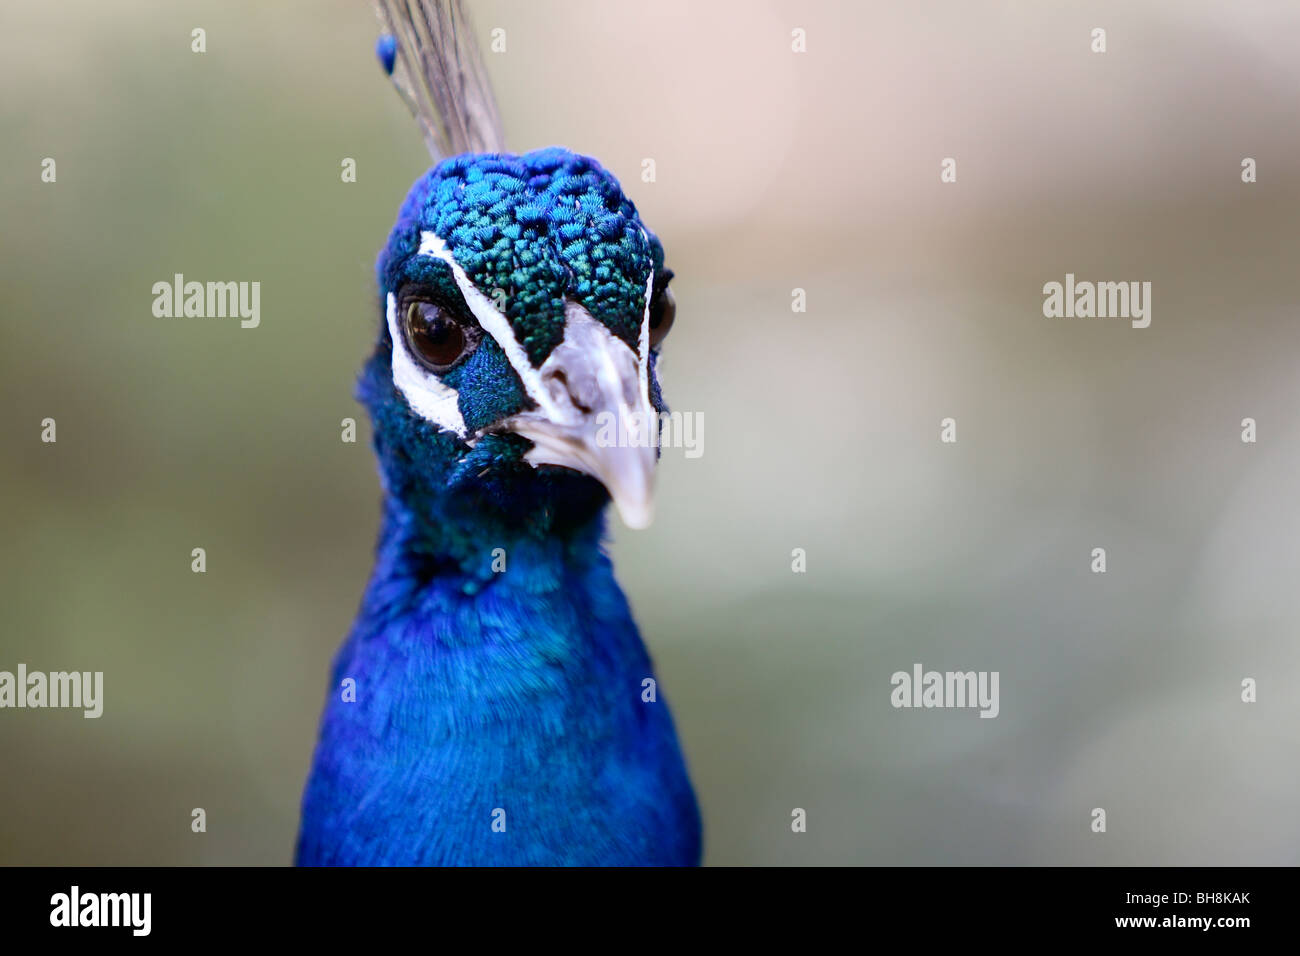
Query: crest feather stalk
430	53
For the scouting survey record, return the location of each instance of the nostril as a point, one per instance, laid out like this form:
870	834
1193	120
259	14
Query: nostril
559	378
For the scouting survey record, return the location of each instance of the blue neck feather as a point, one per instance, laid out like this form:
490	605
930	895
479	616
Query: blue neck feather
499	715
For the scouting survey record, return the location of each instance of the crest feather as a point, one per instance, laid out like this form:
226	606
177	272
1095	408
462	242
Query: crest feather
431	55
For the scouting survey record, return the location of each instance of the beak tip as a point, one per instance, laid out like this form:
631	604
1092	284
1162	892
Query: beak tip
637	515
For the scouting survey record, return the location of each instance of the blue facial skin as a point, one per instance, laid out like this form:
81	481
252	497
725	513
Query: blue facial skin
498	716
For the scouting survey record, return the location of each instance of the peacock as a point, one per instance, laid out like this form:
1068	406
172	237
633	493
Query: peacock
494	703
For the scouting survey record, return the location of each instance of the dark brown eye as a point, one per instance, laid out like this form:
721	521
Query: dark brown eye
663	309
435	335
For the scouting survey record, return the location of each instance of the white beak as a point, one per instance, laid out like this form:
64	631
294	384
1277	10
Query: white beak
595	416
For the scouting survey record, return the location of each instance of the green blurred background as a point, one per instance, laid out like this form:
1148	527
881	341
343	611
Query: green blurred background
775	171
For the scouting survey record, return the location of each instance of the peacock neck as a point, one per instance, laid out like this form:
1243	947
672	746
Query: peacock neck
526	689
487	616
451	548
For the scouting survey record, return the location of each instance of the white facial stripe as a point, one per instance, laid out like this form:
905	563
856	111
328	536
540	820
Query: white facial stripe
428	395
494	323
644	349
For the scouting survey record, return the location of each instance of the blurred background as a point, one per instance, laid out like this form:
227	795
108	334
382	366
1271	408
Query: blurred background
775	171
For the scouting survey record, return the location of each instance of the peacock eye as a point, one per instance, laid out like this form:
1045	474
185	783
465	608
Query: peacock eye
435	335
663	309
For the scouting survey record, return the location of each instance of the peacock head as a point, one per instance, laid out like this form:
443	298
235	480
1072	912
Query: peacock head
524	305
